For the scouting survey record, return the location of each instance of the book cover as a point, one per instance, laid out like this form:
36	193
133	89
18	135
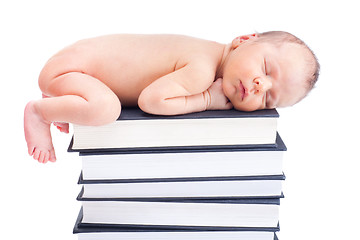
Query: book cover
186	179
194	202
134	113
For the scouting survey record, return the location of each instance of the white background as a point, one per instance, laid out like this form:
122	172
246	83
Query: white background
321	133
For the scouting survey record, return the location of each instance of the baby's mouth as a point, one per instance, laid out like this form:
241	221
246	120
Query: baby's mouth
242	91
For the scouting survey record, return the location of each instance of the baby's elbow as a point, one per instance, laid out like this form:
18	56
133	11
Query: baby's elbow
147	102
142	103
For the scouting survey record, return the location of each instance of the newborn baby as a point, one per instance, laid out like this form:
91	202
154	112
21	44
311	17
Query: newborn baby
88	82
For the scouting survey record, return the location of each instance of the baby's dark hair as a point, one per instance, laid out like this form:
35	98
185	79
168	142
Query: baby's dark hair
280	37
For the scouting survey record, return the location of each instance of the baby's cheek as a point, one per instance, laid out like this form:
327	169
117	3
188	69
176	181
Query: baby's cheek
247	106
228	90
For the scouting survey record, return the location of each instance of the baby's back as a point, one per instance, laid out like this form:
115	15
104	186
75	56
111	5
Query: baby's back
128	63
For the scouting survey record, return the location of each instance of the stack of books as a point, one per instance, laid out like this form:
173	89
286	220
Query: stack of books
208	175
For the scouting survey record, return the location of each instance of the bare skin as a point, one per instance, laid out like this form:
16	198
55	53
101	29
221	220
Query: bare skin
88	82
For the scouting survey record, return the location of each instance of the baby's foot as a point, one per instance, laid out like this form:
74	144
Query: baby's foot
37	135
63	127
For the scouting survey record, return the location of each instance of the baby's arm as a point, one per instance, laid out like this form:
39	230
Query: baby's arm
183	91
217	98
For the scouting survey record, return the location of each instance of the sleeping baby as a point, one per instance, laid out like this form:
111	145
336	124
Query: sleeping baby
88	82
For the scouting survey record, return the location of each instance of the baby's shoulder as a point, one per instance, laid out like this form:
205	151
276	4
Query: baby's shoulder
206	54
198	74
204	64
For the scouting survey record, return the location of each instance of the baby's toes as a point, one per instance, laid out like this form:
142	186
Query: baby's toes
52	157
31	150
62	127
42	157
36	154
65	128
46	157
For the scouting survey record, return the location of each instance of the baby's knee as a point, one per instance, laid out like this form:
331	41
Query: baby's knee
112	107
56	67
46	77
43	81
107	109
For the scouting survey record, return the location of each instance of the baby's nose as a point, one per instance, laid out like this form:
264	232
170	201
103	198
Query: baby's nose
261	85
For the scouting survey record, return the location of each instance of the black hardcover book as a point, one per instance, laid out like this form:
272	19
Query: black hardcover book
196	188
136	129
138	233
178	163
205	214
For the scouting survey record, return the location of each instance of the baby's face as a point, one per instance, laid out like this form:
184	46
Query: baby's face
259	75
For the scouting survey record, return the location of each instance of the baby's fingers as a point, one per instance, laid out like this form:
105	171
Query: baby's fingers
226	106
229	105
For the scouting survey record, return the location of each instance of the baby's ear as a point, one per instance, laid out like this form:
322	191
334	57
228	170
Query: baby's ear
241	39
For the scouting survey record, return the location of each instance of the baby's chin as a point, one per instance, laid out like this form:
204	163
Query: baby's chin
245	107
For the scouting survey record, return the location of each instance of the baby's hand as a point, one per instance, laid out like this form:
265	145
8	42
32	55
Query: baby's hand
217	98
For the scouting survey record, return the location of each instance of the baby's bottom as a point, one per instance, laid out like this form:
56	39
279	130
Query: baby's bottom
75	97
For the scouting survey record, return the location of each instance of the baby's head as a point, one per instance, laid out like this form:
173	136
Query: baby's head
268	70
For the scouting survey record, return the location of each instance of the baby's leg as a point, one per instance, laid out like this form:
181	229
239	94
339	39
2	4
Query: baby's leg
61	126
76	98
